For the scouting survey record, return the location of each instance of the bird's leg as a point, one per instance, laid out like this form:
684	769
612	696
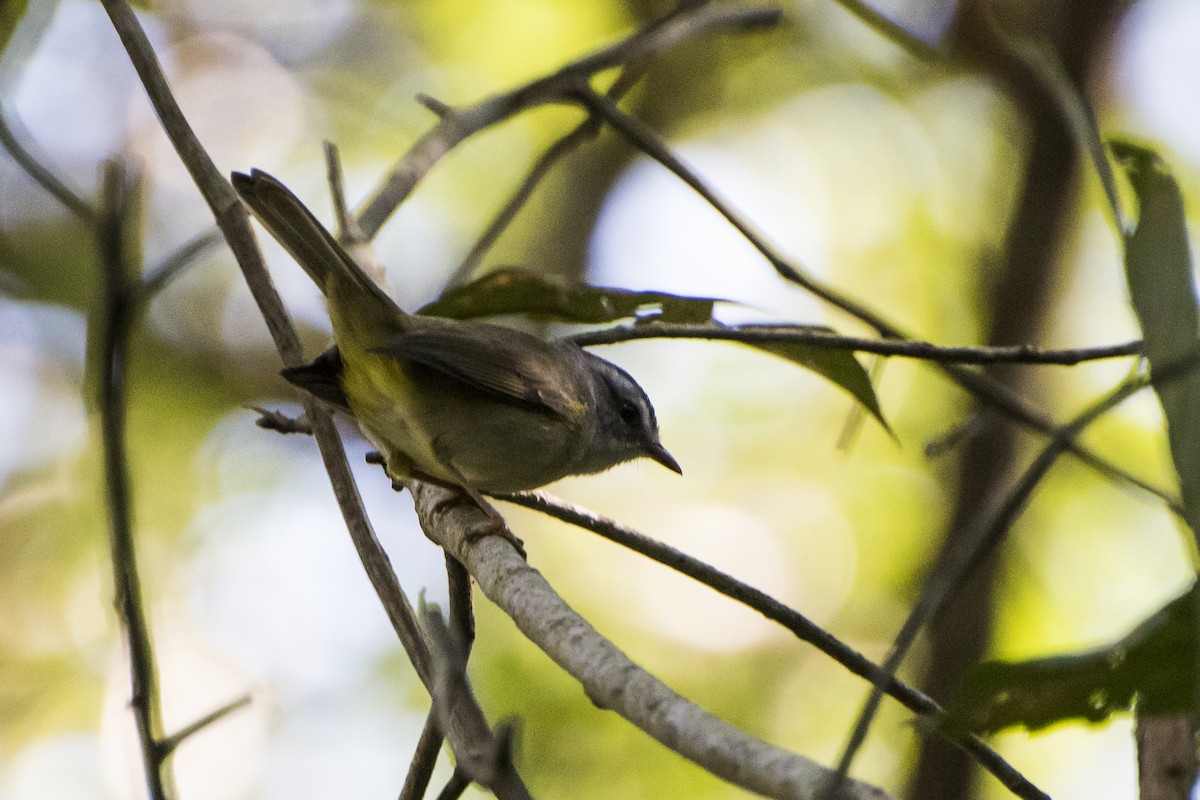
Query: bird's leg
496	524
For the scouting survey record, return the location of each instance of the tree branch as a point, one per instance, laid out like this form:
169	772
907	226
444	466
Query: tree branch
420	768
114	320
1166	755
944	584
42	175
610	679
234	223
159	276
793	620
816	337
172	742
485	756
456	125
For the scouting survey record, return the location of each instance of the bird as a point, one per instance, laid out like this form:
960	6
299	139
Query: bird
460	403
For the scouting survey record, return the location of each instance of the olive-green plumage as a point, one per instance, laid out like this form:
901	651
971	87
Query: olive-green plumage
459	402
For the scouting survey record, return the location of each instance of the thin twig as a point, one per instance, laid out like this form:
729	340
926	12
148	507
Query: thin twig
462	612
172	742
804	629
986	388
337	190
816	337
949	578
485	756
115	317
890	30
420	769
42	175
462	623
349	234
159	276
454	787
645	139
577	136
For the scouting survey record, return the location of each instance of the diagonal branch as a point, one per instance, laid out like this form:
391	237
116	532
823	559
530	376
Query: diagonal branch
456	125
41	174
794	621
234	223
566	144
944	584
610	679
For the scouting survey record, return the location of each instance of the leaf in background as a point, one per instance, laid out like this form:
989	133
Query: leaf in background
518	291
1154	664
838	366
1158	267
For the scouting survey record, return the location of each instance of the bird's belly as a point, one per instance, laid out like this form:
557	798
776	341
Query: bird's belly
440	428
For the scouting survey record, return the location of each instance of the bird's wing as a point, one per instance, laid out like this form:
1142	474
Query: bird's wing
504	362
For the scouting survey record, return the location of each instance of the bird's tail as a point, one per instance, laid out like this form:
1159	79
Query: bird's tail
302	235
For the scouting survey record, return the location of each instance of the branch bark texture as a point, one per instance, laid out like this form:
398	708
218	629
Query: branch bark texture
610	679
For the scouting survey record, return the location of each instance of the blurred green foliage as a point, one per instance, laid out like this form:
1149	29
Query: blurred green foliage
892	178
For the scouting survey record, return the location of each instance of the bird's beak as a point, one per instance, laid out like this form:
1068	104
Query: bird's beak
656	451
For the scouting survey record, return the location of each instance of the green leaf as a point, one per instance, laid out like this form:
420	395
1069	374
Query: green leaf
518	291
1153	665
1158	268
840	367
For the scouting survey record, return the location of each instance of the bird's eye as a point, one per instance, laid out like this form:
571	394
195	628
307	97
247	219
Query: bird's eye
630	413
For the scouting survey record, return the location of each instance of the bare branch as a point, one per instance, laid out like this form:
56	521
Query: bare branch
279	422
610	679
772	609
173	741
1166	754
462	612
350	235
456	125
580	134
42	175
890	30
159	276
949	578
114	320
484	756
816	337
454	787
420	769
234	223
